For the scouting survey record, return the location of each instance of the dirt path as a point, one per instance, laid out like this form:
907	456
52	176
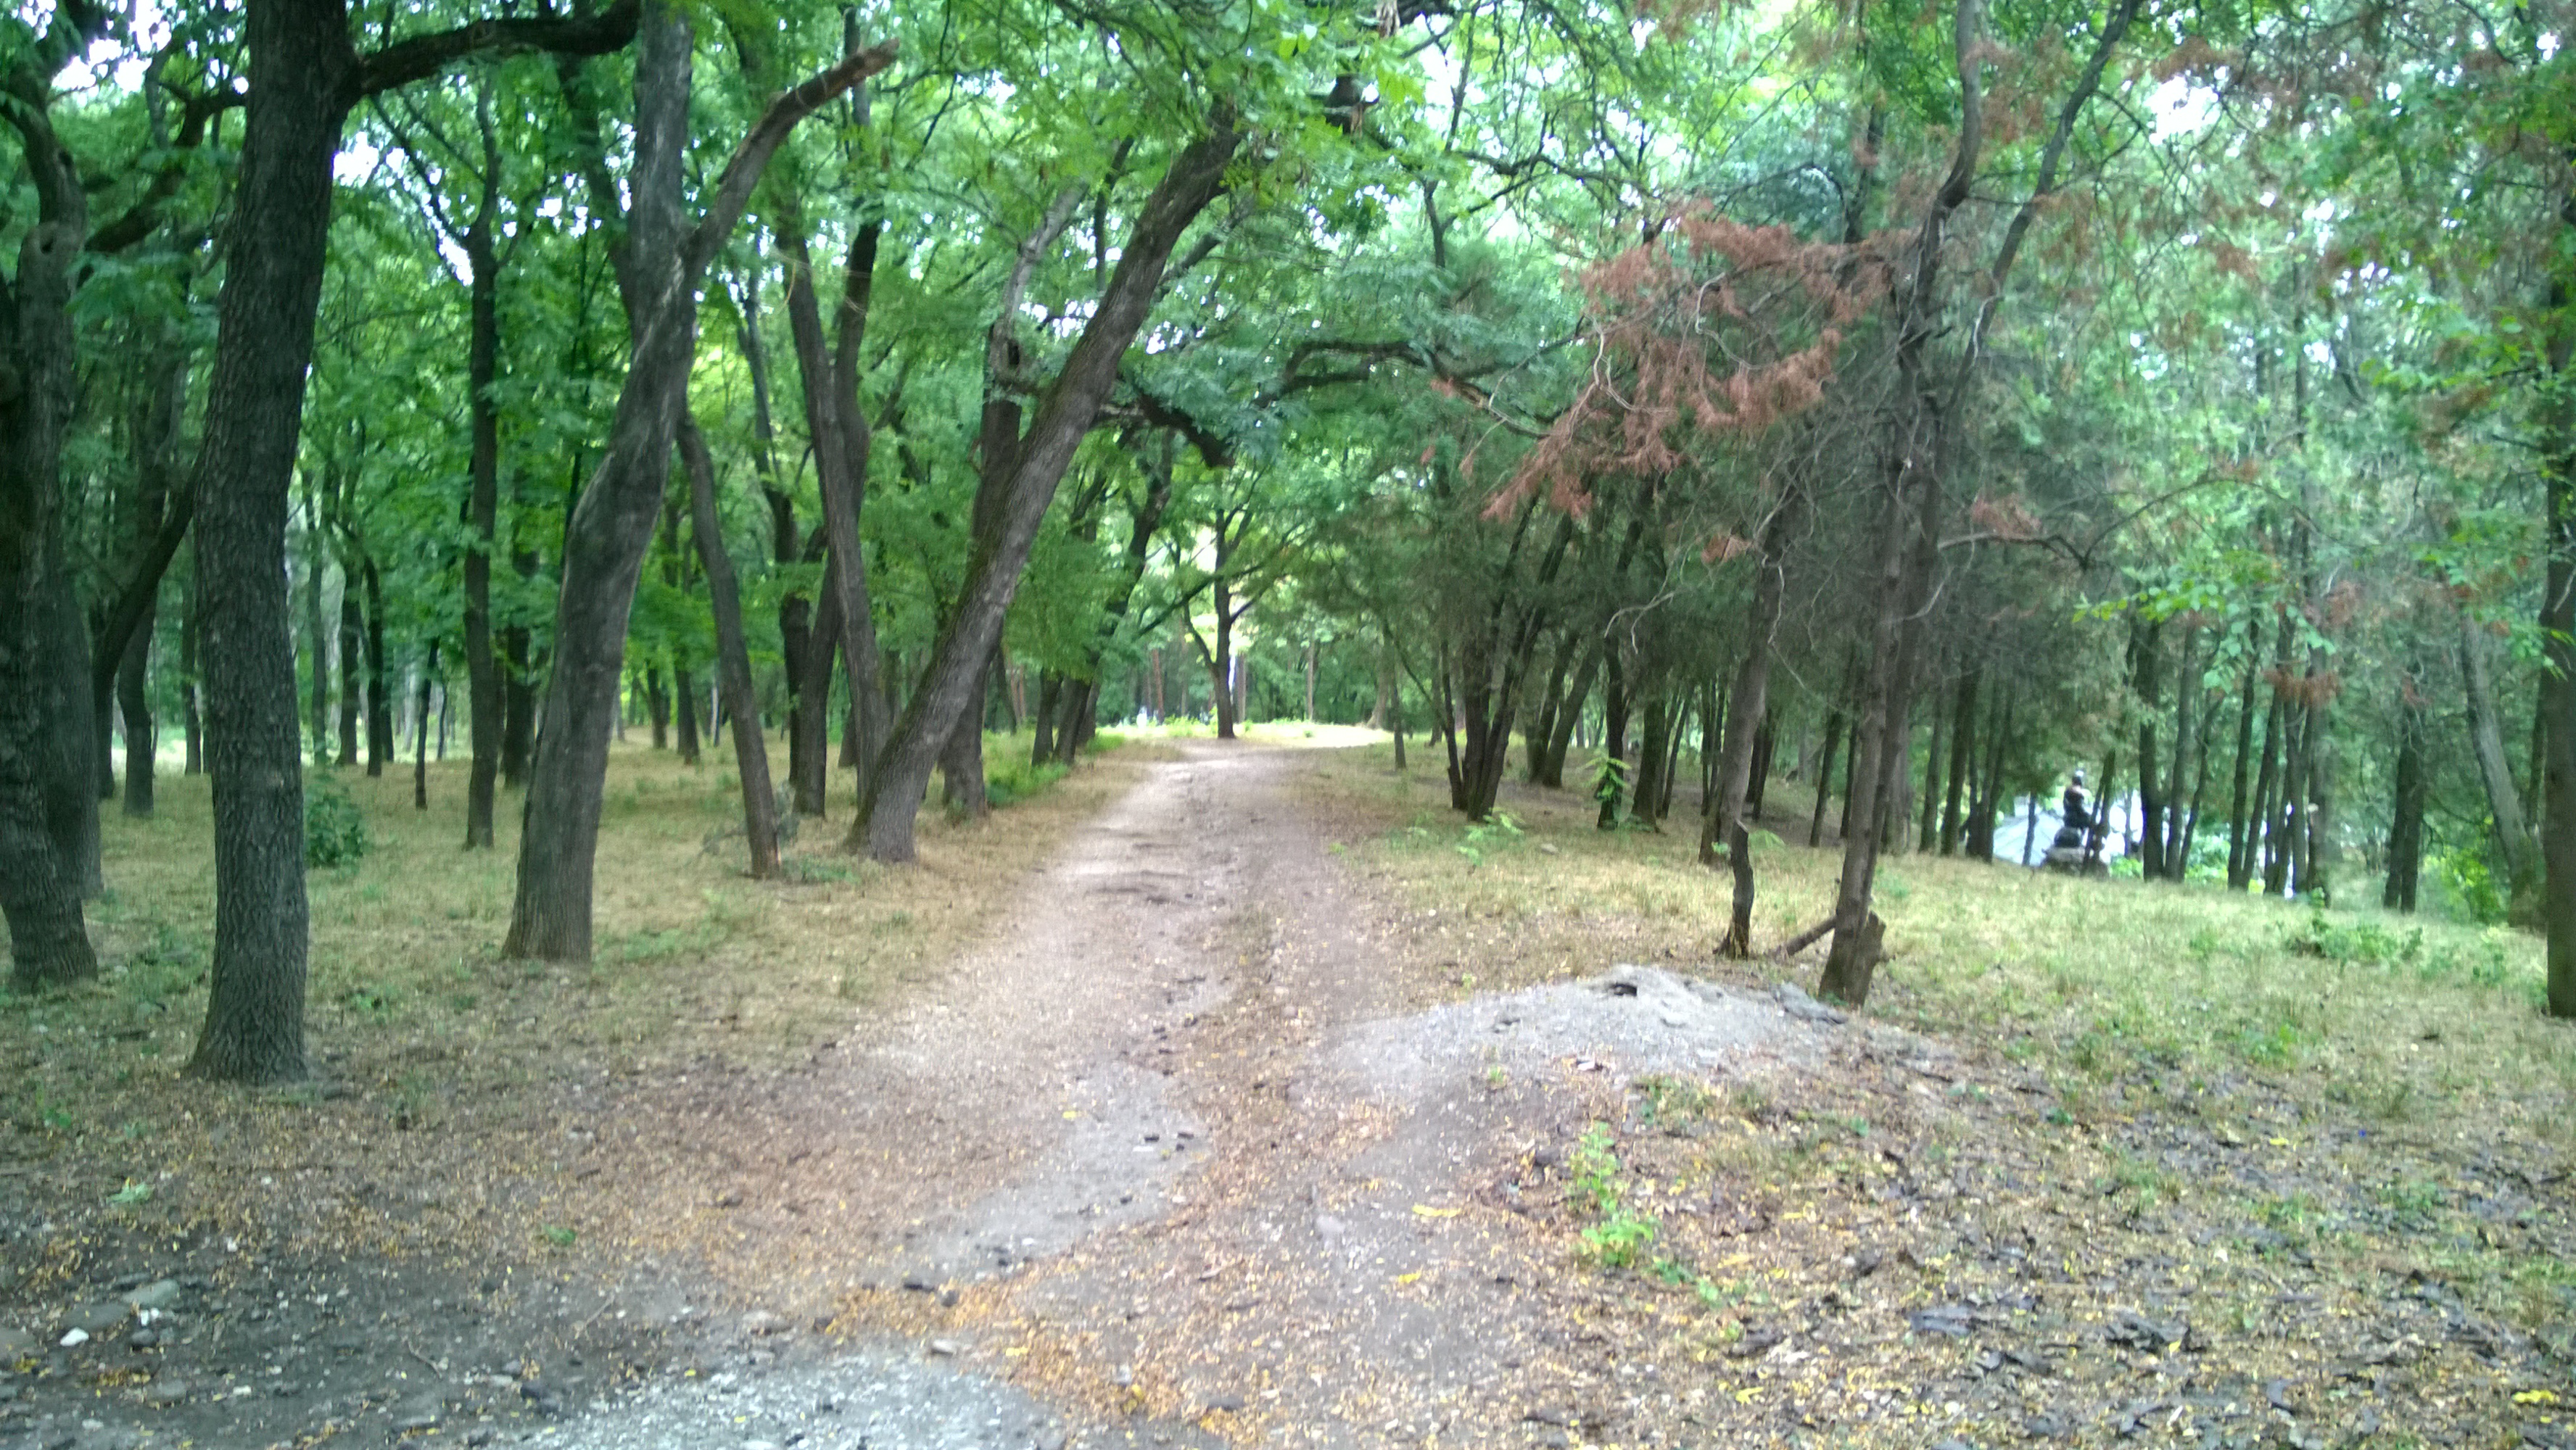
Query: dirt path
1168	1161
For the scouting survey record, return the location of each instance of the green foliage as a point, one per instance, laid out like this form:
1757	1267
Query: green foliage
335	830
1494	832
1623	1233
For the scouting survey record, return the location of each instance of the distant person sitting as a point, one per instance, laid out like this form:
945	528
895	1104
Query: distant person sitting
2077	817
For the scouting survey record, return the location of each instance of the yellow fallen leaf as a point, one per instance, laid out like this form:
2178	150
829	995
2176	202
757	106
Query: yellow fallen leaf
1407	1278
2280	1142
1070	1113
2535	1397
1427	1211
1748	1394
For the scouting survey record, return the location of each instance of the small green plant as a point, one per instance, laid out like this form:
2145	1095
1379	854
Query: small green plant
335	830
1621	1237
2364	943
1491	833
559	1236
134	1192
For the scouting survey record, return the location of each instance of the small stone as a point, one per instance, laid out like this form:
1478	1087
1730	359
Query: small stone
948	1298
761	1321
1230	1404
14	1341
479	1435
948	1348
159	1294
74	1339
730	1198
415	1424
143	1339
99	1318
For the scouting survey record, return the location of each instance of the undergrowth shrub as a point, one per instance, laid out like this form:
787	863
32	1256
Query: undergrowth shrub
335	830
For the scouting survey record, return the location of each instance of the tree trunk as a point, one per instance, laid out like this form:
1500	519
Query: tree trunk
611	528
1825	775
352	650
733	655
317	639
1747	715
2146	675
40	891
1962	752
1568	712
191	724
135	704
2486	741
483	491
2186	744
1197	175
684	695
2406	823
420	733
1610	782
380	709
300	62
1652	751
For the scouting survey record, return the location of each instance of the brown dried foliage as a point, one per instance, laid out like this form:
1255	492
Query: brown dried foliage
1714	329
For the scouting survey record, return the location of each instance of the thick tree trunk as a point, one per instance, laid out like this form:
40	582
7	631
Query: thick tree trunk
733	656
1610	783
684	702
300	69
2558	708
40	892
657	706
1197	175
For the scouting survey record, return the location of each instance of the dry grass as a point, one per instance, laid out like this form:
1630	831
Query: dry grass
2336	1146
442	1070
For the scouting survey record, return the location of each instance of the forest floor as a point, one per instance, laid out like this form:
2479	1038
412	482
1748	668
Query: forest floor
1236	1094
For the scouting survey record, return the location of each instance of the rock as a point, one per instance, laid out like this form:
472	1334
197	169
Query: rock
1940	1319
541	1401
143	1339
1555	1415
15	1342
947	1348
99	1318
761	1321
1231	1404
74	1339
1794	1000
479	1435
416	1424
2155	1336
159	1294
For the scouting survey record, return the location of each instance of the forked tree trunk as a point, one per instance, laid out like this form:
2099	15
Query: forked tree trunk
884	828
612	525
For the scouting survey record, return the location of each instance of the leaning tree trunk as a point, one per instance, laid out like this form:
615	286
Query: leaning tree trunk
884	828
733	656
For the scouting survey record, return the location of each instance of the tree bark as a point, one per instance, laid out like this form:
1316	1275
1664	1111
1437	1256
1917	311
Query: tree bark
483	488
1724	816
380	700
884	828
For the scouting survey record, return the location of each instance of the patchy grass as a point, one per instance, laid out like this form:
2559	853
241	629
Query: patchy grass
448	1076
2335	1146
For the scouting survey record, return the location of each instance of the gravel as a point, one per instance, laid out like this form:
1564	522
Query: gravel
876	1400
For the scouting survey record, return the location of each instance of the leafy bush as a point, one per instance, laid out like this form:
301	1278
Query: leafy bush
335	830
1009	777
